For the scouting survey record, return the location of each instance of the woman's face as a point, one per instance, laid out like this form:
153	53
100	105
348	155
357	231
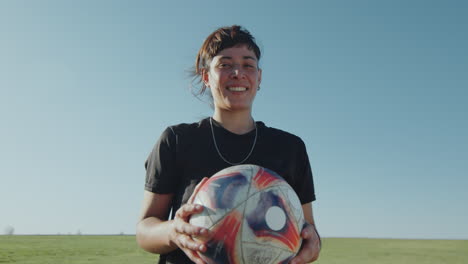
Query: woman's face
233	78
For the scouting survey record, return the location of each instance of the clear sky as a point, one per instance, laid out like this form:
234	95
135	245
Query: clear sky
378	90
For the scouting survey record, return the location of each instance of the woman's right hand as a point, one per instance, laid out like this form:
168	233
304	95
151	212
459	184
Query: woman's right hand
183	231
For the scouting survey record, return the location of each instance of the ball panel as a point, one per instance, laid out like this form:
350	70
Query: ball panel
284	258
295	205
247	170
265	178
203	219
222	193
226	191
256	214
224	244
258	254
275	218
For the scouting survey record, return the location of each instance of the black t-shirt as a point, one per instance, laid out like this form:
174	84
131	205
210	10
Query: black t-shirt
186	153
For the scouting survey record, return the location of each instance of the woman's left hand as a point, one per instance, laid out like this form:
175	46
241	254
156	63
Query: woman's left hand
310	248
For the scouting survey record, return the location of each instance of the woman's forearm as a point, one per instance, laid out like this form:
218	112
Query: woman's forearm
154	235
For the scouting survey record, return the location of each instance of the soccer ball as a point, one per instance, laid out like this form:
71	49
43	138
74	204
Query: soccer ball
254	216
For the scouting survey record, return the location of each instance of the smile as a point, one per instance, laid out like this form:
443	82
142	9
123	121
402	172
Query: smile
237	89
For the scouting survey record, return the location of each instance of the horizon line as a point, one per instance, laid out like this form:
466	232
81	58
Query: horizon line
332	237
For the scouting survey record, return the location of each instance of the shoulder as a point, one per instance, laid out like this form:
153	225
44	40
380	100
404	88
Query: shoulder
176	136
179	132
280	135
186	128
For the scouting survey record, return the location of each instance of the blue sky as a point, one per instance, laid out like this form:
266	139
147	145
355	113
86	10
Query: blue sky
376	89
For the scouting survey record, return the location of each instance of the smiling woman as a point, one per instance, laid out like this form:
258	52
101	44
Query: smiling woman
185	154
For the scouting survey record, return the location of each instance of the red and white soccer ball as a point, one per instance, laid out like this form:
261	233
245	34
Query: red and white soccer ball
254	216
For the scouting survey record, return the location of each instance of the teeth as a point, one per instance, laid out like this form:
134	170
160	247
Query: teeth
237	89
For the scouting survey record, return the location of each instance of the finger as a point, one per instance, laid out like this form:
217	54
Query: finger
193	256
307	232
187	210
306	256
197	188
296	260
188	243
302	255
185	228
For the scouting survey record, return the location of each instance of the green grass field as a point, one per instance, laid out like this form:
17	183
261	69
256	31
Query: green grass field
123	249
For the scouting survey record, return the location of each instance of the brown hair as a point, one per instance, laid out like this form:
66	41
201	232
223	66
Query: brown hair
222	38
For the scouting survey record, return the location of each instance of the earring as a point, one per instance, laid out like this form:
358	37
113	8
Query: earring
258	88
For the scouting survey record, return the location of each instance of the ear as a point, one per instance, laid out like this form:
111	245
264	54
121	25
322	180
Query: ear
259	76
205	77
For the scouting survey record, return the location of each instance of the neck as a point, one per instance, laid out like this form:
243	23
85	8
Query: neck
238	123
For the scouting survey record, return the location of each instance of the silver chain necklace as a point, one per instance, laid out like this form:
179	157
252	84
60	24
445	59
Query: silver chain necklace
219	152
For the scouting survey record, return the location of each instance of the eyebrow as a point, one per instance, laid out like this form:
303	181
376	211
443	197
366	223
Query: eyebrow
245	57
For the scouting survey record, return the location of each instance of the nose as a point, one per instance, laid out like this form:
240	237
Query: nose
237	71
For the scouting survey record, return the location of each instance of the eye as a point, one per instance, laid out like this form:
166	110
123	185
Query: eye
250	67
224	65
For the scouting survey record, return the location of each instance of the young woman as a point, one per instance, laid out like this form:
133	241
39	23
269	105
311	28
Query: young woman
227	66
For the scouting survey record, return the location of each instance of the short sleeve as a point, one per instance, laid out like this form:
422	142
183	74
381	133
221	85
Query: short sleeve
161	175
306	189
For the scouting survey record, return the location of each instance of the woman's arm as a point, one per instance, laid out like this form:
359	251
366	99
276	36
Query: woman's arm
158	235
153	229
